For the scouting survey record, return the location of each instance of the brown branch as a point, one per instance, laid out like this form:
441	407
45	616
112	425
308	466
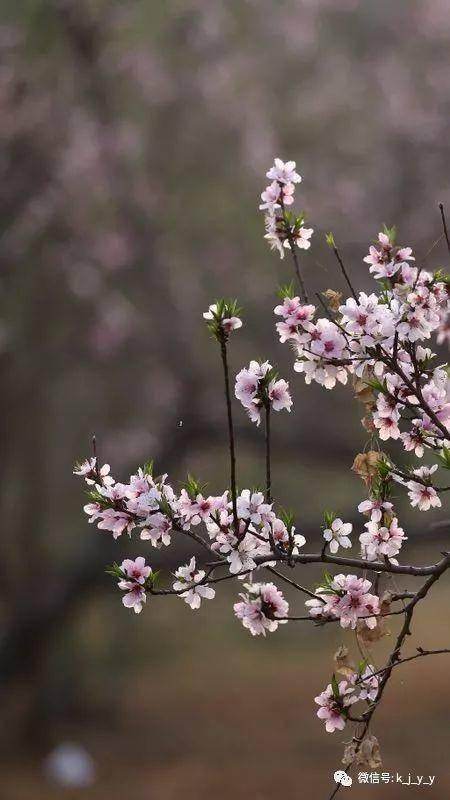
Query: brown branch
357	563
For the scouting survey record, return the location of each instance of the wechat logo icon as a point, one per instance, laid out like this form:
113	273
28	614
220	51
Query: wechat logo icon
341	777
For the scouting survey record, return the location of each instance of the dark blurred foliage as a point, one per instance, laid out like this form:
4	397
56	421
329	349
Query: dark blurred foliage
134	142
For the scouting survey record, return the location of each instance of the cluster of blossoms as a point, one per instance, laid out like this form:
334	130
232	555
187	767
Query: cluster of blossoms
152	506
346	598
258	387
377	340
383	537
337	699
143	502
283	229
259	532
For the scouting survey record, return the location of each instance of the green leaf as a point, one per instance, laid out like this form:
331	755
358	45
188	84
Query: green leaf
193	486
153	579
115	571
286	291
361	666
148	468
391	233
441	276
335	687
328	518
287	517
444	457
377	385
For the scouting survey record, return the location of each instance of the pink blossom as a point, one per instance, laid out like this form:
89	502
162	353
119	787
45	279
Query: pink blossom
93	511
421	495
279	396
231	324
189	584
333	709
338	535
253	391
354	606
375	508
382	541
252	506
387	424
115	521
136	570
246	385
288	308
276	194
241	556
327	340
322	373
283	538
346	597
362	316
198	509
273	234
228	324
158	530
136	574
301	238
261	608
413	440
135	596
283	172
368	684
139	484
88	470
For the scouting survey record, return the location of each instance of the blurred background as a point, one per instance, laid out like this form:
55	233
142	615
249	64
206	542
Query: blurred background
135	138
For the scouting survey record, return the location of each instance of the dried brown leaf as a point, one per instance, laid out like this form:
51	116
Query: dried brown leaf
342	662
333	298
367	636
366	465
363	392
368	754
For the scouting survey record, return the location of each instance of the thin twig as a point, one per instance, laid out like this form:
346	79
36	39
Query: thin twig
444	225
420	654
303	293
294	584
344	272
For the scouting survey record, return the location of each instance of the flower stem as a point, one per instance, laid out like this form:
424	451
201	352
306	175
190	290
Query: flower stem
303	293
268	475
291	241
223	351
